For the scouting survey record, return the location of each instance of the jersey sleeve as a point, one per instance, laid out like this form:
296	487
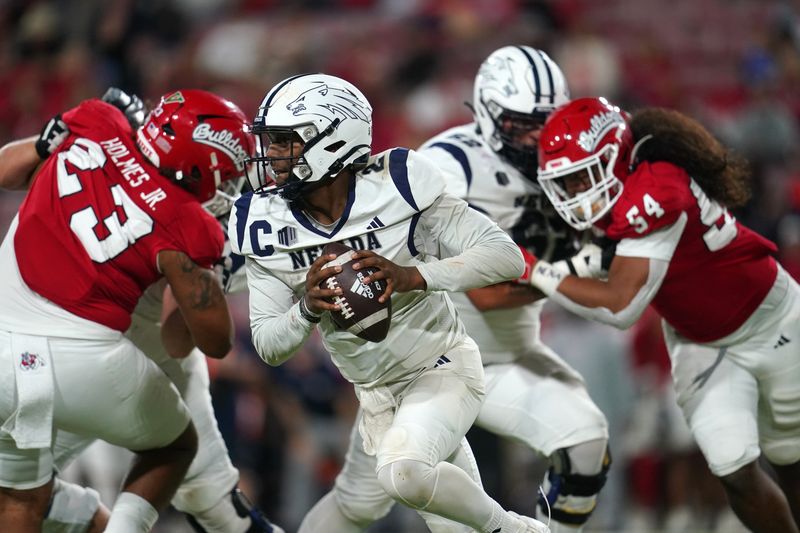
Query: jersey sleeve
454	165
653	198
93	114
472	250
197	234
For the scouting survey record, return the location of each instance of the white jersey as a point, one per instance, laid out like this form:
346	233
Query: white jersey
397	208
475	173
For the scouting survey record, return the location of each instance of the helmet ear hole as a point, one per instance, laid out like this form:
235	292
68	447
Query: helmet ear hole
333	148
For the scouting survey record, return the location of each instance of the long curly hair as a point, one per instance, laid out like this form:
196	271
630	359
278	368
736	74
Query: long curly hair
723	175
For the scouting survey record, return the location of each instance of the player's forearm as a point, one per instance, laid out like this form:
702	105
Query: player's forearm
18	161
277	338
610	303
507	295
175	335
495	259
592	293
623	318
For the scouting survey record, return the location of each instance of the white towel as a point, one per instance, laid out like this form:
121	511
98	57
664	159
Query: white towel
377	414
31	424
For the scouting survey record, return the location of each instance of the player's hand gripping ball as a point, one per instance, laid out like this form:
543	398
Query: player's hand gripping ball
360	311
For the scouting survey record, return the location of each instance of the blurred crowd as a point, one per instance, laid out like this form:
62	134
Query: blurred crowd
734	65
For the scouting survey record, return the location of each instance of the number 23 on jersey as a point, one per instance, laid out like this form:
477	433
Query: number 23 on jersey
123	226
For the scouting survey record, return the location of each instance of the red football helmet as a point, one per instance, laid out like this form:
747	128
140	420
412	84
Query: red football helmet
584	154
200	141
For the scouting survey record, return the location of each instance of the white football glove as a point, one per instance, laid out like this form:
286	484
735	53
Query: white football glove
587	263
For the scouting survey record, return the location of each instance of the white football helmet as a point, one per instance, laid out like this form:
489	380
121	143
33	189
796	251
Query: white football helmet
516	88
331	118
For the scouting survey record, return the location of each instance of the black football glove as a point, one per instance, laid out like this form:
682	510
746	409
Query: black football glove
130	104
609	247
51	137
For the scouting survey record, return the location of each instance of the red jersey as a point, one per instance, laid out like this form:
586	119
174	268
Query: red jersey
98	214
720	272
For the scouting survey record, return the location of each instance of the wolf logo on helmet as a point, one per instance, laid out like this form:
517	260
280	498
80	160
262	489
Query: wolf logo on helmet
500	71
348	105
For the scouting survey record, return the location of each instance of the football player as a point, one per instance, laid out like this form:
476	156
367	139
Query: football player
208	494
419	389
532	395
114	214
662	186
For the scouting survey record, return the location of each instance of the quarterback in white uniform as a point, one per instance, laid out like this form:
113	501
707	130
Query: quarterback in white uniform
420	388
532	395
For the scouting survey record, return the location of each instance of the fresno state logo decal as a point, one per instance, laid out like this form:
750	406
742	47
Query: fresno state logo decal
30	361
599	125
222	140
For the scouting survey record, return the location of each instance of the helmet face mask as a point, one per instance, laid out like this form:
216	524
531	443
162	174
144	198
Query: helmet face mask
198	140
222	202
584	151
586	190
514	129
516	88
310	128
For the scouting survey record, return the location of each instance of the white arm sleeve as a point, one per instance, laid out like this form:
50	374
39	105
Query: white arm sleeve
626	317
658	247
277	327
472	250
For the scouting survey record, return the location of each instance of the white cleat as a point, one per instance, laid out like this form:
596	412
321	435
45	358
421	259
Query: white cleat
531	524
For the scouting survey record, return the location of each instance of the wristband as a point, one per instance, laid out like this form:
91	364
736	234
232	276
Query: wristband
306	313
547	277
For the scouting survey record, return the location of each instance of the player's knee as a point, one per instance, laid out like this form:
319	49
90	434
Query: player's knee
409	482
72	508
573	481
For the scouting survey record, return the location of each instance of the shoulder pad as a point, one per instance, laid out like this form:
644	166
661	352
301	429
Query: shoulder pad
653	197
416	178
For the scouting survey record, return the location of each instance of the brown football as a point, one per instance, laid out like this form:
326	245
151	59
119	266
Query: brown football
360	311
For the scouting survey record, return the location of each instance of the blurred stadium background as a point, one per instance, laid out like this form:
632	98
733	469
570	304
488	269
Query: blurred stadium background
733	64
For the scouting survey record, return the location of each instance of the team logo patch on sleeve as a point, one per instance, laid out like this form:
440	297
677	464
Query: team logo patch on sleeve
30	361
